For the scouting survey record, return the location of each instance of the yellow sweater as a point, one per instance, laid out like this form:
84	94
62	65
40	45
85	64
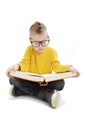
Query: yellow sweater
41	63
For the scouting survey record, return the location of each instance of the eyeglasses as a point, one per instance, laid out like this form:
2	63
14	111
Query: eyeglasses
37	43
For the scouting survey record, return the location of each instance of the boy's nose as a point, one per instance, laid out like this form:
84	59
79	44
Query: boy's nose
40	45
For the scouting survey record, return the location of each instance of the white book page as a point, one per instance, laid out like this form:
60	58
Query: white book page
28	73
57	76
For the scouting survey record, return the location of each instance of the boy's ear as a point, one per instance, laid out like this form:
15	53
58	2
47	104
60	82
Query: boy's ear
30	38
47	36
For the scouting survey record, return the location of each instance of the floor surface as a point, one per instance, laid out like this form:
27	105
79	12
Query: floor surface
23	113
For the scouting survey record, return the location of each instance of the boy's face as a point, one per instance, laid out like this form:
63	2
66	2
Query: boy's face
39	41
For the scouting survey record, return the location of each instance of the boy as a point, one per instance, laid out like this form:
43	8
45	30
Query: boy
41	59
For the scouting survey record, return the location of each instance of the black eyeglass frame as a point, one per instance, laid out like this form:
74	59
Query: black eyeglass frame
40	42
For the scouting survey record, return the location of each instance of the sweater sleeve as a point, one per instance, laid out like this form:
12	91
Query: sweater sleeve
56	65
24	63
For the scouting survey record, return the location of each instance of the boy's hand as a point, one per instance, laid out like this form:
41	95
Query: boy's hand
12	68
72	69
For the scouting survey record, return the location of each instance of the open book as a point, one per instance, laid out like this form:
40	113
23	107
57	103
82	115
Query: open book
42	78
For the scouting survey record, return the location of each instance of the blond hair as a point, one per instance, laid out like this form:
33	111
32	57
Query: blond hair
38	28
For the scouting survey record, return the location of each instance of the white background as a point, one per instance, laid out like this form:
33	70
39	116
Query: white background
66	24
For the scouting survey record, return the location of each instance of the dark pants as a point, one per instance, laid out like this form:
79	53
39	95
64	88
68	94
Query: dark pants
33	88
